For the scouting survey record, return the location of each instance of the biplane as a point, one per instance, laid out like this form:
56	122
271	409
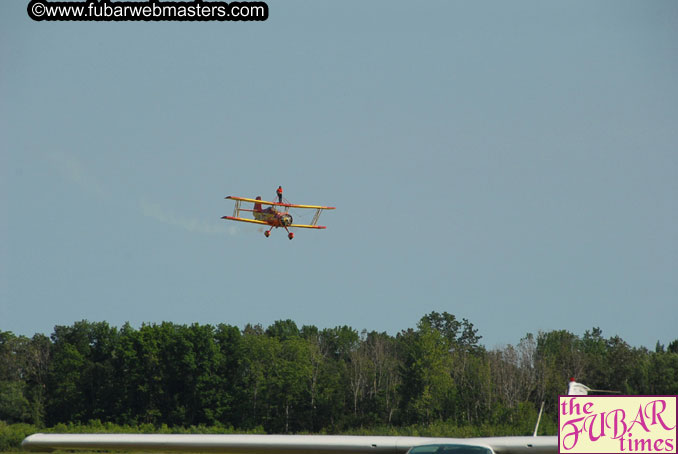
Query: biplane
275	215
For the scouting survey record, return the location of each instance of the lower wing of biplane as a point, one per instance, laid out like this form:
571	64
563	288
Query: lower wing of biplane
272	216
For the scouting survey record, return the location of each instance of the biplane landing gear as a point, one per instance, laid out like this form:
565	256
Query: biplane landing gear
290	235
267	233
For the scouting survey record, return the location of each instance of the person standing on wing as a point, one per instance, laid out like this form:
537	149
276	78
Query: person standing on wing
279	192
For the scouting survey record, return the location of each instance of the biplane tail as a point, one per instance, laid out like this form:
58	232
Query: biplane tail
257	206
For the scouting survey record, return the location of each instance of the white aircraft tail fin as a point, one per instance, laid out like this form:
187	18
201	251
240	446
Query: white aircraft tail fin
577	389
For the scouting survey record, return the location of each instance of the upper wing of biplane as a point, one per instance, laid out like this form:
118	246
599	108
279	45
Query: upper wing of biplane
289	205
290	444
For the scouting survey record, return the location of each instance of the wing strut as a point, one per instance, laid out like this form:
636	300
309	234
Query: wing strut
314	221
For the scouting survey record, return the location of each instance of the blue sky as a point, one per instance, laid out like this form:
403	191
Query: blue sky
512	163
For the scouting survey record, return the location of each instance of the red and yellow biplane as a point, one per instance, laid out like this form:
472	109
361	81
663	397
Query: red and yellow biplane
276	215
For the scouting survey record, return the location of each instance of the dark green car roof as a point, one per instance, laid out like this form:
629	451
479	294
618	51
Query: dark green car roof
449	449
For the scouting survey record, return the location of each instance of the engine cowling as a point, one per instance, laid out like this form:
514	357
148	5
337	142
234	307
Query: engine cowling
286	219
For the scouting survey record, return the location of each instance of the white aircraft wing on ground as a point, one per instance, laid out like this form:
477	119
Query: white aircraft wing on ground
292	444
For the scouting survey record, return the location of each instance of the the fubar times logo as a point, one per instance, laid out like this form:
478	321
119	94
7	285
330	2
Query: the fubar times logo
617	424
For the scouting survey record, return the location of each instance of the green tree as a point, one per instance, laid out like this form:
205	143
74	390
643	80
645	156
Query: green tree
14	365
594	347
139	375
38	359
626	367
79	382
14	407
259	358
663	373
428	387
384	379
558	357
66	401
289	384
283	330
229	384
333	395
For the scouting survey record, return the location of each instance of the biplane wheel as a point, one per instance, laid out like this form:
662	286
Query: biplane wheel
267	233
290	235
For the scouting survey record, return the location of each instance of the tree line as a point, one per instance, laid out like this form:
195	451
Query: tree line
286	379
